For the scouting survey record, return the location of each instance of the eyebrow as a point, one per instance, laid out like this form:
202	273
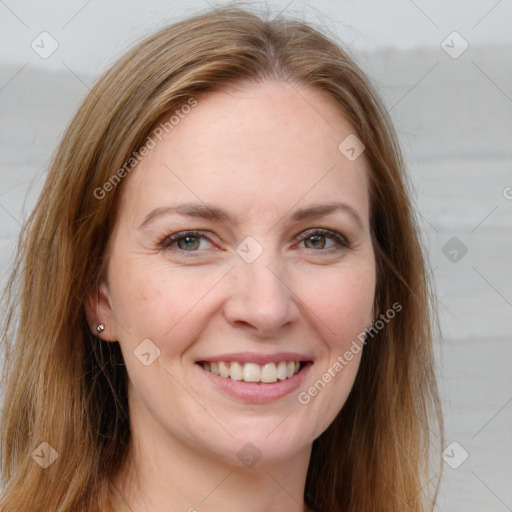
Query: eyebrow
210	212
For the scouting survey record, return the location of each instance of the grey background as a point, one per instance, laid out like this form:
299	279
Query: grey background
454	118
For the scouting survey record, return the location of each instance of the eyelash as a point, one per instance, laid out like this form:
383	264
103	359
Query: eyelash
340	240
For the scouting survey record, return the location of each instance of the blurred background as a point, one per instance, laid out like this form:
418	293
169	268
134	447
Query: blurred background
444	69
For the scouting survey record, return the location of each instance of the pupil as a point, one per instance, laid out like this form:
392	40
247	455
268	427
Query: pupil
316	241
189	242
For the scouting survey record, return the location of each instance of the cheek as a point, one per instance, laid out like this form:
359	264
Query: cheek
342	301
342	304
159	302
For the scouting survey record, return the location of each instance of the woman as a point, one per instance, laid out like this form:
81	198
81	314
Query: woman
220	299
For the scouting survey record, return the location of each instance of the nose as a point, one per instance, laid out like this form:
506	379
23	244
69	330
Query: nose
260	297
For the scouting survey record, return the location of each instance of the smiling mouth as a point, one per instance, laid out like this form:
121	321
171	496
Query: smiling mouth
267	373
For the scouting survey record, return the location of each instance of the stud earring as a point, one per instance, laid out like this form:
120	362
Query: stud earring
100	328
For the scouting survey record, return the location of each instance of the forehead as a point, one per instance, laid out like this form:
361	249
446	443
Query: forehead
256	148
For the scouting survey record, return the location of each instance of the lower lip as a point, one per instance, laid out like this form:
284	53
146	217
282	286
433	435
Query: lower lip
255	392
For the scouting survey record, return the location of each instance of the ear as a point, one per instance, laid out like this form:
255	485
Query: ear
98	310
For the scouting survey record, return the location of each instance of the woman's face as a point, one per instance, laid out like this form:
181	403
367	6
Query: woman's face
279	268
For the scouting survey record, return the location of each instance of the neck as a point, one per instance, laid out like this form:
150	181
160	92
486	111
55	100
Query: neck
163	473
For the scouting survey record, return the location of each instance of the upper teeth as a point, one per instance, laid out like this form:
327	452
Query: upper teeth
252	372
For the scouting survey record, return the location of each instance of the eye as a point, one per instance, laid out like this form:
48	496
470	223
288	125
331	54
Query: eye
317	239
187	241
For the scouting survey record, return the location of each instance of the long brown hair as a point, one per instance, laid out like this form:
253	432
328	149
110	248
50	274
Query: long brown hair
66	387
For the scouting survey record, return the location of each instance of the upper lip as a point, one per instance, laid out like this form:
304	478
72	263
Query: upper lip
258	358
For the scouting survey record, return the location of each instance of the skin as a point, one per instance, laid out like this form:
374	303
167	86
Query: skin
261	152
